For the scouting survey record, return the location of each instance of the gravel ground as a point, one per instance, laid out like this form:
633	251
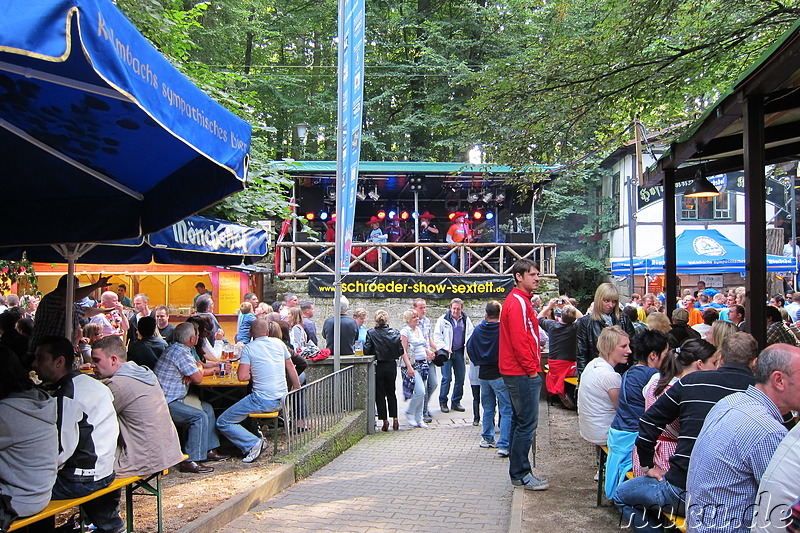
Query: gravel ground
568	462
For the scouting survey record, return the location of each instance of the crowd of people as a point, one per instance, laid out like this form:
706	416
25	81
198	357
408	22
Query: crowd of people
693	409
65	433
504	350
689	405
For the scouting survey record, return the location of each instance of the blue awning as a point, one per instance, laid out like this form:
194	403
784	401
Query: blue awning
101	138
698	252
193	241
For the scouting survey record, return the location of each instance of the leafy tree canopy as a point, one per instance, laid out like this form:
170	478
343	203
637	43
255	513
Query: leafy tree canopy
586	68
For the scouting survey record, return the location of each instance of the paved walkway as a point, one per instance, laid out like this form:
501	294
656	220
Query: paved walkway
421	480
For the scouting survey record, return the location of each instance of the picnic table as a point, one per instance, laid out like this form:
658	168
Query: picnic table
222	391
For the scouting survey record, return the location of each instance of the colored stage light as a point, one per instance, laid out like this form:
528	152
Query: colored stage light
451	216
381	214
489	215
404	215
477	215
311	216
392	214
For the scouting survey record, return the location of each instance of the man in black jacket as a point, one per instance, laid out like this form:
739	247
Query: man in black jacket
681	332
643	499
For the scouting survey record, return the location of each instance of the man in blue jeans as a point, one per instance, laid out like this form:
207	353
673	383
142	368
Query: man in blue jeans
644	500
175	369
520	363
265	363
451	333
482	348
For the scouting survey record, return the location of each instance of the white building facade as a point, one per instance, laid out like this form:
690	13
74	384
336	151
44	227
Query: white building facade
641	210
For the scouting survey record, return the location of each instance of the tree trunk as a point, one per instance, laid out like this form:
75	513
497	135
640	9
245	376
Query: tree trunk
775	247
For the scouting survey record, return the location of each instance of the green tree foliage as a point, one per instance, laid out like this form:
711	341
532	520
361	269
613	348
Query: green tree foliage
572	213
586	68
420	60
177	30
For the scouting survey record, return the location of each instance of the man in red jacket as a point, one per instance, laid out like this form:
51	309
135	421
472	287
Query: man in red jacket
520	363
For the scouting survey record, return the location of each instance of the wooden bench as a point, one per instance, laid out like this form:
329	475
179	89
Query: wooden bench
266	416
59	506
131	485
675	522
602	455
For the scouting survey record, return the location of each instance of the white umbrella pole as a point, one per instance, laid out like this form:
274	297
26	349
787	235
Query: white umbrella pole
69	312
71	252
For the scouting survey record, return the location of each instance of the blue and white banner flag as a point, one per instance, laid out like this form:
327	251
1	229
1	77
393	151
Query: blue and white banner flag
351	90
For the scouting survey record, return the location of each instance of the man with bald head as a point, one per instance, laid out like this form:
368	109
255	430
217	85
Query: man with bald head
113	322
266	363
739	437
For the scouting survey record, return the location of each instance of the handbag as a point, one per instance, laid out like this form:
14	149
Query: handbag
442	356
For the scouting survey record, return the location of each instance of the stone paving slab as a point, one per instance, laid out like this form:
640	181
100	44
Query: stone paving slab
421	480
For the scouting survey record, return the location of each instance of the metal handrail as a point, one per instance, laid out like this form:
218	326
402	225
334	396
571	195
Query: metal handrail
303	259
317	406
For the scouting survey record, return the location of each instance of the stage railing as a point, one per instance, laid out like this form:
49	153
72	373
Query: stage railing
303	259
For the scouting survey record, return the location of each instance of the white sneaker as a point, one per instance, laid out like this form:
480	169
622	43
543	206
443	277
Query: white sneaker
486	444
423	425
255	451
532	482
412	422
502	453
597	476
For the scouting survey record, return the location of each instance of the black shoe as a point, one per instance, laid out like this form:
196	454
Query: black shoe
443	407
427	419
457	407
194	468
476	422
214	455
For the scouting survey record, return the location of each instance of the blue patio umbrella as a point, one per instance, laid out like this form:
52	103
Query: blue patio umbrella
101	138
195	240
697	252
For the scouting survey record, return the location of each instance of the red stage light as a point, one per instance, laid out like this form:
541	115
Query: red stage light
310	216
381	214
451	216
404	215
477	215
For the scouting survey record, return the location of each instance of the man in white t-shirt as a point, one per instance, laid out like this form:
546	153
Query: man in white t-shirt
596	410
265	362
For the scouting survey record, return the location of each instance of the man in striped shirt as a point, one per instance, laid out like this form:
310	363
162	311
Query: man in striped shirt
644	499
739	436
